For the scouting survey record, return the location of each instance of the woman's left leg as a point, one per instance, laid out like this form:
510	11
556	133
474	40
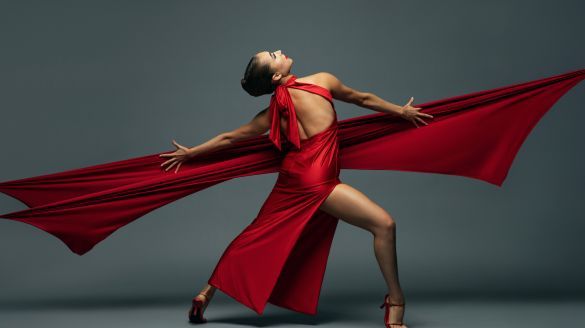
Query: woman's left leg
352	206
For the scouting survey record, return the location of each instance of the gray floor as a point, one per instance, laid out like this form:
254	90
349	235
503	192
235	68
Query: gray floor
337	311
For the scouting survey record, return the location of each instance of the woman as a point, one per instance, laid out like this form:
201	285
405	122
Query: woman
280	257
315	118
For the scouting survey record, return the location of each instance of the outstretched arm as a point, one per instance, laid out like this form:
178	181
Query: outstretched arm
257	126
371	101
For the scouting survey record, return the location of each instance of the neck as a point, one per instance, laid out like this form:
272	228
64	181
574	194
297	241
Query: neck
284	79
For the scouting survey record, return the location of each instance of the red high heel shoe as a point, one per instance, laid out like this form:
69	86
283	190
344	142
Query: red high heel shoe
196	311
387	313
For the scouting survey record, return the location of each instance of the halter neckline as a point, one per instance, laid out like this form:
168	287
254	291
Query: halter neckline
281	104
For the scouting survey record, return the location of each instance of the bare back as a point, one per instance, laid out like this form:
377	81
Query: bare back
314	112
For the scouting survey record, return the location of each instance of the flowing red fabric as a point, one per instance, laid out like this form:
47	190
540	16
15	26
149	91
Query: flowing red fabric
281	256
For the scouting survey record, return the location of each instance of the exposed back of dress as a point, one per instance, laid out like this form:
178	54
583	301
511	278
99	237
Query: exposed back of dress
281	104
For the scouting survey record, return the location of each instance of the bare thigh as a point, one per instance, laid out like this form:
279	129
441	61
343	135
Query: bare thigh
352	206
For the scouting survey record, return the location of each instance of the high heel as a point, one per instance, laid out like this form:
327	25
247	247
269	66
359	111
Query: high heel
196	311
387	313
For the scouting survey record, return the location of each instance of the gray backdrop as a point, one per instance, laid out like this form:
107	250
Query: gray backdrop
89	82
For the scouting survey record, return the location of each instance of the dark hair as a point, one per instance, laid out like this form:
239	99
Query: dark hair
257	79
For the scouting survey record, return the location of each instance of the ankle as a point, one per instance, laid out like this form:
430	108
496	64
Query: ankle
395	299
204	297
208	291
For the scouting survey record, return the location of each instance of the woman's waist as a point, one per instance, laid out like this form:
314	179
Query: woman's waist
305	183
310	169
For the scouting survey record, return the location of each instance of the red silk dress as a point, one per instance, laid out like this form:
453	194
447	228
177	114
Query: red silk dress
287	245
281	256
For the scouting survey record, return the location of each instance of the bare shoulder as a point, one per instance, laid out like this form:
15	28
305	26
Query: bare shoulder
337	89
322	79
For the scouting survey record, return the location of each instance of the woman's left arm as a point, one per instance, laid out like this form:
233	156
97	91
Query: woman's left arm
372	101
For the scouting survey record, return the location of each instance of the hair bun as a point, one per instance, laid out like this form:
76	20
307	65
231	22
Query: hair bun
243	81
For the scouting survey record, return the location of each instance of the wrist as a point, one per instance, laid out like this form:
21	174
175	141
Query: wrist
191	152
401	112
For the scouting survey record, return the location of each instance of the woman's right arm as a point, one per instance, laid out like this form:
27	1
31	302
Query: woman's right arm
257	126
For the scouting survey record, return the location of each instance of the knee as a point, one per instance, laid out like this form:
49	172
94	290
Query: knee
386	227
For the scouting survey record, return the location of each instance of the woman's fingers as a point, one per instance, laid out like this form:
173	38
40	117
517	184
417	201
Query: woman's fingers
176	157
173	161
408	103
166	155
414	122
178	145
173	153
421	120
168	161
413	114
422	114
170	166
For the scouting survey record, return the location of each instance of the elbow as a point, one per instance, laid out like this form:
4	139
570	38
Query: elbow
363	99
227	138
234	136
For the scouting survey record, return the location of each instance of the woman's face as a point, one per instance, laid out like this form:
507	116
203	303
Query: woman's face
278	61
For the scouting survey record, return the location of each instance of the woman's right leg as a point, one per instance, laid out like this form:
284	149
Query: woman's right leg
352	206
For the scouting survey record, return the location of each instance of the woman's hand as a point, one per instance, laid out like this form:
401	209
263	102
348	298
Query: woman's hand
179	156
412	113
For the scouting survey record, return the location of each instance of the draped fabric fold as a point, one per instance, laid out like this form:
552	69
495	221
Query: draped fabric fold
281	104
476	135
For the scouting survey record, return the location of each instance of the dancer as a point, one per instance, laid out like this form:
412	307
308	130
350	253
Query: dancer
303	109
281	256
